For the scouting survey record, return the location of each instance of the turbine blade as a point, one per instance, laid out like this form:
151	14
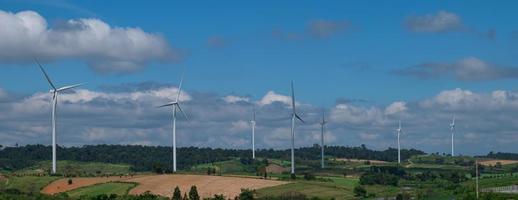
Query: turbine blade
45	73
69	87
179	88
167	104
297	116
180	108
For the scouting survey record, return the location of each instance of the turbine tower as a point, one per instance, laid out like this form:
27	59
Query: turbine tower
323	124
55	92
252	122
293	116
175	105
398	144
452	130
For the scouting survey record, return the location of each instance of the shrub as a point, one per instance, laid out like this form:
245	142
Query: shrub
177	195
360	191
70	181
246	194
193	193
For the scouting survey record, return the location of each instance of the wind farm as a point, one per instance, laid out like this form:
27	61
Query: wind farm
258	101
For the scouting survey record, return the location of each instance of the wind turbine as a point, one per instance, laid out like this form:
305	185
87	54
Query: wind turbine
293	116
175	105
252	122
323	124
55	92
452	130
398	144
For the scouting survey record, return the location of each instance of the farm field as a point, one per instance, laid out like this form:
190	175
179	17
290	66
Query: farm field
117	188
494	162
62	185
162	185
28	184
207	186
77	168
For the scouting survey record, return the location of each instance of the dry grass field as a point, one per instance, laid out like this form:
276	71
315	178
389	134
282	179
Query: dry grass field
273	168
493	162
359	160
163	185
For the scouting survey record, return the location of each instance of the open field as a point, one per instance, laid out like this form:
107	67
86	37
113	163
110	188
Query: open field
164	184
493	162
62	185
28	184
207	186
273	168
336	187
77	168
361	161
117	188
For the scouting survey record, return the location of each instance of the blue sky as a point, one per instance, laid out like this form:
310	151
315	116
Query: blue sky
370	53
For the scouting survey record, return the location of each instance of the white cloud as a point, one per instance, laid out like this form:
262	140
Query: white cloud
356	115
396	107
3	93
239	126
235	99
106	49
368	136
439	22
272	97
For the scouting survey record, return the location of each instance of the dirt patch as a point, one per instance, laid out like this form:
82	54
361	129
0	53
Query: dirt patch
360	160
273	168
493	162
207	186
62	185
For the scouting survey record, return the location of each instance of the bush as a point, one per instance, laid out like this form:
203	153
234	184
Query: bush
371	178
246	194
360	191
293	176
177	195
70	181
193	193
309	176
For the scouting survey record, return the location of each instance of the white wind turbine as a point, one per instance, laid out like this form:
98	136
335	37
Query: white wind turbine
175	105
293	116
452	130
398	144
323	124
55	92
252	123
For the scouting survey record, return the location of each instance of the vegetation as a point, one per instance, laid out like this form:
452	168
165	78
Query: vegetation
149	158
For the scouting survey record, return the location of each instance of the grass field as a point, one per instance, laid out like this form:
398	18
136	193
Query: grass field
336	187
117	188
27	184
78	168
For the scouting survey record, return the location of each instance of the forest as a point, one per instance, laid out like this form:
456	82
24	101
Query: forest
147	158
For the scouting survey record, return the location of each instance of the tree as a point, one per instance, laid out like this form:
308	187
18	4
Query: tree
185	196
218	197
70	181
359	191
193	193
177	195
246	194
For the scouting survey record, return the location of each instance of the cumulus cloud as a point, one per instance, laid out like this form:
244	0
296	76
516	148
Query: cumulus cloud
235	99
272	97
442	21
129	116
104	48
467	69
395	107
